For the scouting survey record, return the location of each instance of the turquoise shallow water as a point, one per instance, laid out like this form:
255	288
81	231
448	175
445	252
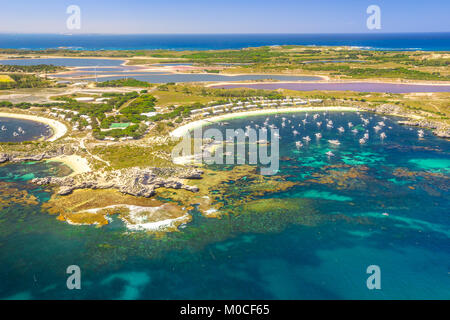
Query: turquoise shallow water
384	203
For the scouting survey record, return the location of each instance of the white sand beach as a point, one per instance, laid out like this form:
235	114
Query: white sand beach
181	131
59	129
76	163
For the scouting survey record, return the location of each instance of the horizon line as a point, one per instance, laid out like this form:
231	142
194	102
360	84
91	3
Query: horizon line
219	33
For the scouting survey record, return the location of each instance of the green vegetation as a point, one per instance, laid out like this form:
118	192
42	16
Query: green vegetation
41	68
133	131
363	73
24	81
119	125
125	156
142	104
5	78
256	55
130	82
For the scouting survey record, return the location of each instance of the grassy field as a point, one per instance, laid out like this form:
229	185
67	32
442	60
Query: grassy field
5	78
167	98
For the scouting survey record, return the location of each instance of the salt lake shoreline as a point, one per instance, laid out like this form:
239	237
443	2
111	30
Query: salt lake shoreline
327	80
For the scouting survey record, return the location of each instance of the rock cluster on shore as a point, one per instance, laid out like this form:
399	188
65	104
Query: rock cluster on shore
19	157
439	129
132	181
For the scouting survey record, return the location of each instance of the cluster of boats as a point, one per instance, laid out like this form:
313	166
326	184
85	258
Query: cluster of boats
15	133
379	128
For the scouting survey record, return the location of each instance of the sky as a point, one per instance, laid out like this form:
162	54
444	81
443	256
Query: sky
224	16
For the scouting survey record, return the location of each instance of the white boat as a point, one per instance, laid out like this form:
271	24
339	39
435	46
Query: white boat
377	128
341	129
15	134
295	132
318	135
350	124
330	154
362	141
420	133
298	144
382	135
307	138
355	130
366	136
319	123
4	128
335	142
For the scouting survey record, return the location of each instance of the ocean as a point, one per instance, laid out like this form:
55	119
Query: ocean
385	41
384	203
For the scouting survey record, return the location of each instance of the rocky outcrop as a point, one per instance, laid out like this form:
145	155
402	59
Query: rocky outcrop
133	181
388	109
18	157
439	129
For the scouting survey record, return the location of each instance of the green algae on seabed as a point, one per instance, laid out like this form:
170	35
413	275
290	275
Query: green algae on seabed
359	233
316	194
410	223
432	164
26	177
400	183
136	281
361	158
312	162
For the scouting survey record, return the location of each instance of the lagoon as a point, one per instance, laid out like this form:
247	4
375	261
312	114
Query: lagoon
318	249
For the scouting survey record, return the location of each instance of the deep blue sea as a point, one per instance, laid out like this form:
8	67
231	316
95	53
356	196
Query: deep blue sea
384	203
391	41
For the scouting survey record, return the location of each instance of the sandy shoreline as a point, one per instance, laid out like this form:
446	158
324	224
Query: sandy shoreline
59	129
330	81
181	131
76	163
